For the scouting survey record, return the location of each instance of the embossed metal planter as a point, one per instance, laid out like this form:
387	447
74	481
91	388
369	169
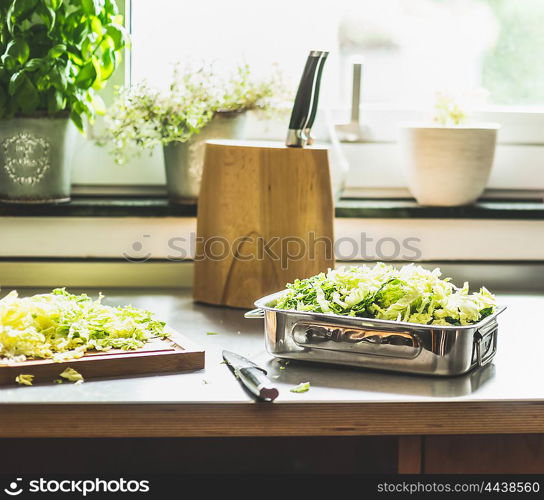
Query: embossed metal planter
184	161
34	160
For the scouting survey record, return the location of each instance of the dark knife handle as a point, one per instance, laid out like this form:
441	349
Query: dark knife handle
258	383
306	100
315	99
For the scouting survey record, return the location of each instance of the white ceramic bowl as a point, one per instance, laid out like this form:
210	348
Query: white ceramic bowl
447	165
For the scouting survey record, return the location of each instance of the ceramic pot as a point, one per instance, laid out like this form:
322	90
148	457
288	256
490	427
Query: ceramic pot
184	161
338	163
35	164
448	166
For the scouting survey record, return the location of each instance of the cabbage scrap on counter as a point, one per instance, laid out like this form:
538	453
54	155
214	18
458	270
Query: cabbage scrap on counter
63	326
411	293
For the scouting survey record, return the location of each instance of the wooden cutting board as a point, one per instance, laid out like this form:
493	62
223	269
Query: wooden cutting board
174	354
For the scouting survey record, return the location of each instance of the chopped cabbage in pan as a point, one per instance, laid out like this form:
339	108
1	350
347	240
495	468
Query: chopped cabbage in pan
410	293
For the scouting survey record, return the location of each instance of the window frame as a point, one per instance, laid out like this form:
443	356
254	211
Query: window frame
375	167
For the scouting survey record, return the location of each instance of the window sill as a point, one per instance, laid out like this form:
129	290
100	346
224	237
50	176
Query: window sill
88	206
409	209
93	206
150	229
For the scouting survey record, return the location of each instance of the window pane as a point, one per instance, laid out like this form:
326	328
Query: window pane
513	70
410	48
229	32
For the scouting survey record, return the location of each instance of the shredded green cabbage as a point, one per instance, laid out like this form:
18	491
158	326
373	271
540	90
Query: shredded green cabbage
302	387
61	326
411	294
72	375
24	379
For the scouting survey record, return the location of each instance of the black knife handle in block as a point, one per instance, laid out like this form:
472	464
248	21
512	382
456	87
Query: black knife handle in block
306	100
315	100
257	382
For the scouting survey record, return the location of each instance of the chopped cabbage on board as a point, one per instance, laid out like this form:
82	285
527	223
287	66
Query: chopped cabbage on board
72	375
24	379
411	294
61	326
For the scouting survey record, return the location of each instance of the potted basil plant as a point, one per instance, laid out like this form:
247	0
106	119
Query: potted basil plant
198	105
55	55
448	161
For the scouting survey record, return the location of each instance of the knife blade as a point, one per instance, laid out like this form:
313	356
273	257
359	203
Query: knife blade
306	100
251	375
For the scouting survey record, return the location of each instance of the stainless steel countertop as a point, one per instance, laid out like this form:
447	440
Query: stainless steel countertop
516	373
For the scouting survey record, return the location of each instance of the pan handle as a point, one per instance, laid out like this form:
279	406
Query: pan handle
485	357
400	344
254	314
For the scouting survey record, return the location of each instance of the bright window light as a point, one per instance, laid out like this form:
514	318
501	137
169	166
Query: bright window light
410	48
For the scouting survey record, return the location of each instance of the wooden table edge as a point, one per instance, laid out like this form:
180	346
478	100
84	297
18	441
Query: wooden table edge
261	419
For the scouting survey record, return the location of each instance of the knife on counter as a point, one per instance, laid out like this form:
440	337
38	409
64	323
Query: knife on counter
251	375
306	100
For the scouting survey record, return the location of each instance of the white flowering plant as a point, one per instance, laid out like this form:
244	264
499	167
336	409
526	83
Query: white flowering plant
147	117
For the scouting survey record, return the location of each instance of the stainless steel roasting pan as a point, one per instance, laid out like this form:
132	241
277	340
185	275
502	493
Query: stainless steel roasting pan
378	344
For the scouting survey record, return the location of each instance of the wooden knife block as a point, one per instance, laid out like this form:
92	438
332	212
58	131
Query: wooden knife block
265	218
